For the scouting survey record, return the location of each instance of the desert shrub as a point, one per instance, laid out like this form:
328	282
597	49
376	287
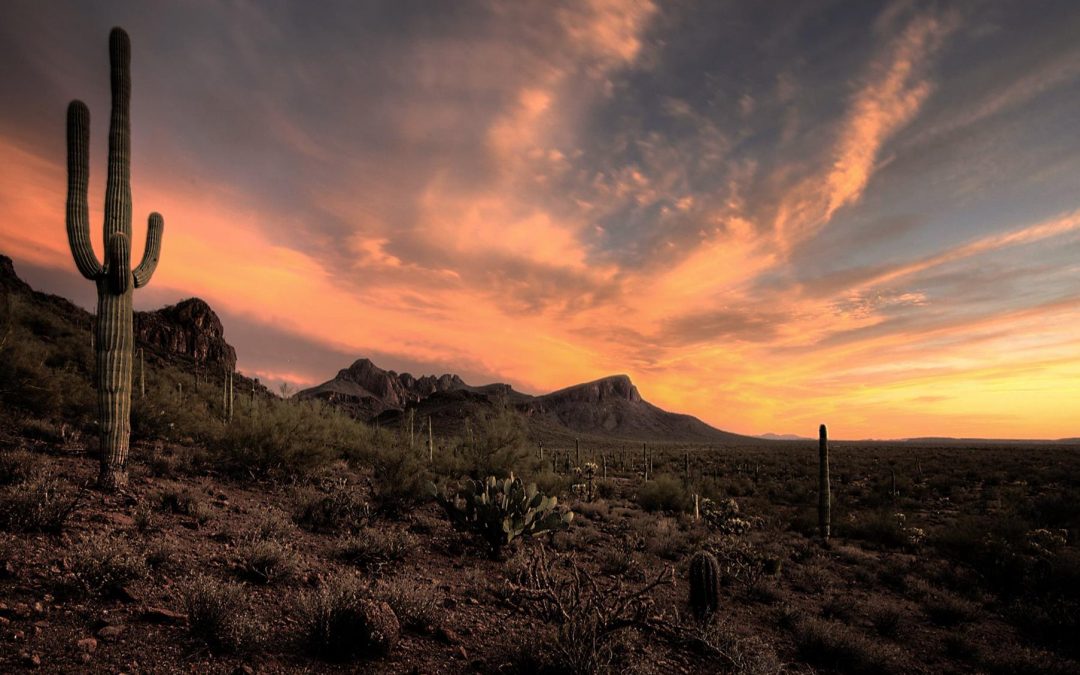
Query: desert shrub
741	654
371	549
887	621
272	524
616	561
606	489
663	493
44	379
664	539
40	504
839	607
143	518
286	439
551	483
267	561
218	614
18	466
399	480
341	622
339	507
177	499
838	647
945	609
881	527
414	606
496	443
591	616
102	565
42	430
160	553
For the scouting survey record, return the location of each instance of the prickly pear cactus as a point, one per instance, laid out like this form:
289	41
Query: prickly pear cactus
115	279
704	584
501	511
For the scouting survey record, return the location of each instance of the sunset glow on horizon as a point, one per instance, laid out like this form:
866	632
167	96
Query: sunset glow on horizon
769	216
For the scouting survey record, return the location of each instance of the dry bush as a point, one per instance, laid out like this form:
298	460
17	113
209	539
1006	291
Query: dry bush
590	616
414	606
103	565
175	498
341	622
371	549
840	648
945	609
336	508
40	504
267	561
218	614
18	466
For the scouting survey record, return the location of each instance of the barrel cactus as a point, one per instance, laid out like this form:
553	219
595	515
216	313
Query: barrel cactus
115	279
704	584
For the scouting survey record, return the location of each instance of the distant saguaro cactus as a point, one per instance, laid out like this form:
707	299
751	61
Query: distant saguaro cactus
824	496
115	279
704	584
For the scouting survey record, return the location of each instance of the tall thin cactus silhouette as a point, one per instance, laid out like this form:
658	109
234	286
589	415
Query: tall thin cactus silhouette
824	491
115	280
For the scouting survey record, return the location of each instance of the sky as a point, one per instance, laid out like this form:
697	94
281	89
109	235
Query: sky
768	214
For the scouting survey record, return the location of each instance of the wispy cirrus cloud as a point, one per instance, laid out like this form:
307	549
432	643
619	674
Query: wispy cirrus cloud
768	217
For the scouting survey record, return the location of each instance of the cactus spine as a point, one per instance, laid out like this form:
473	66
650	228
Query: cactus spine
115	280
824	496
704	584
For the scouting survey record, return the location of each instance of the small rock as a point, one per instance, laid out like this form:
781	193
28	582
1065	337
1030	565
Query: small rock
39	608
448	636
85	658
18	636
109	633
87	645
127	594
381	626
22	610
464	654
4	621
163	615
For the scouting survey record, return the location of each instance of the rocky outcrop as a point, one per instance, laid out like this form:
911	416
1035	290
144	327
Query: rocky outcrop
365	390
188	330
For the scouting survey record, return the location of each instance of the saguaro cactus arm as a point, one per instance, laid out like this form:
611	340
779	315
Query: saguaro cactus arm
118	187
154	231
118	263
78	211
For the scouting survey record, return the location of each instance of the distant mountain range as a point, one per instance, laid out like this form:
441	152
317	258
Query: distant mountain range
608	408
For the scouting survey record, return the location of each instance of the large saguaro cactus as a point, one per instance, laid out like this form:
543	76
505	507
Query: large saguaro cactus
115	279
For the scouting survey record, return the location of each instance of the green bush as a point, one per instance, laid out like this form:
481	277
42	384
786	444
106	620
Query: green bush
663	493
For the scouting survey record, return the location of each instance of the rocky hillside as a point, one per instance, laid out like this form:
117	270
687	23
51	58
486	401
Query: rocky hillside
188	335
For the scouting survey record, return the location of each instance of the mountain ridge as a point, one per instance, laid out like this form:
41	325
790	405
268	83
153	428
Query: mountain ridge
609	407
